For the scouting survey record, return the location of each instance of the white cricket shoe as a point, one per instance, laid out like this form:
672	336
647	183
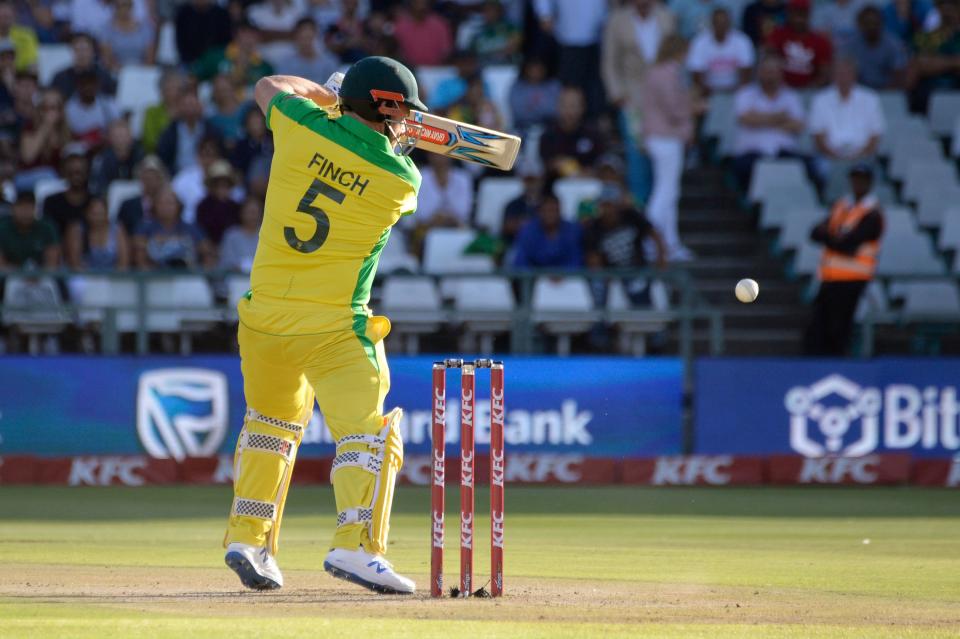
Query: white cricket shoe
256	567
370	571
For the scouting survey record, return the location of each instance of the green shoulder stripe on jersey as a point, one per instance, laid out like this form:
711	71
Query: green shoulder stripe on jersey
347	133
368	269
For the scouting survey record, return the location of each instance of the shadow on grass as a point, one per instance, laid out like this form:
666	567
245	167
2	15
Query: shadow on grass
56	503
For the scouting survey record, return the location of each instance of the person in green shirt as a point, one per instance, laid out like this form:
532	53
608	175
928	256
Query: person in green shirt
25	240
498	40
24	38
240	59
157	117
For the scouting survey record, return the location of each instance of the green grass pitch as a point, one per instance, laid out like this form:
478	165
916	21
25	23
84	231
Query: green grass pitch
580	562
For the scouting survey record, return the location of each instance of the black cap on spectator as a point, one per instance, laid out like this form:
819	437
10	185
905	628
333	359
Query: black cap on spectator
861	169
25	196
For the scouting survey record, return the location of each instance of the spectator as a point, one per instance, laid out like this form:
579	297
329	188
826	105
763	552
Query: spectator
838	19
25	241
498	40
846	122
610	173
239	244
693	16
167	242
69	206
157	117
347	37
617	239
720	58
446	194
228	111
450	90
117	161
534	97
761	18
24	38
326	13
806	54
522	208
881	58
276	19
125	39
90	112
92	16
851	242
577	27
38	16
84	61
218	211
668	127
770	119
476	107
253	152
630	45
201	25
570	145
937	63
178	144
135	210
8	79
424	36
42	141
96	243
240	59
308	60
190	184
548	241
17	108
907	18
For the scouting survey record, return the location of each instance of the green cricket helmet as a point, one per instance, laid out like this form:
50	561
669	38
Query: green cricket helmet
374	88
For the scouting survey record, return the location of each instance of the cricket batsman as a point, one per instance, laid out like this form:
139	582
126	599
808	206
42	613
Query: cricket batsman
337	186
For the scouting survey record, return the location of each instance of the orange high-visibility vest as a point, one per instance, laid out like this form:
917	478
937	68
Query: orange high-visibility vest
841	267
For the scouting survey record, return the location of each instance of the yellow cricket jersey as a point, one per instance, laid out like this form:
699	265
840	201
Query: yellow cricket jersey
336	188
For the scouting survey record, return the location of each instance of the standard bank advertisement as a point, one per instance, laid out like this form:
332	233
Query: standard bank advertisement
171	407
822	408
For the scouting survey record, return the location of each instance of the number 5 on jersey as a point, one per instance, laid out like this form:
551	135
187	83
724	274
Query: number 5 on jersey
319	215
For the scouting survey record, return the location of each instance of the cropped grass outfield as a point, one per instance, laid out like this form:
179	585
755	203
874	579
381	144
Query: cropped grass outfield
581	562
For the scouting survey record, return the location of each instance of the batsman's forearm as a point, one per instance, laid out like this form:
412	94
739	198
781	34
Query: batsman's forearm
270	85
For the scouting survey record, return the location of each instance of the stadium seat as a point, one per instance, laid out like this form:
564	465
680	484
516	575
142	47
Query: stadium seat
894	105
195	311
51	59
934	202
873	304
930	301
493	195
778	204
167	53
45	188
413	306
563	307
925	175
720	116
635	324
949	237
572	191
797	224
498	80
277	52
807	260
395	256
907	253
137	87
237	286
905	151
484	307
119	192
943	110
429	77
910	128
443	253
95	294
34	307
772	175
955	142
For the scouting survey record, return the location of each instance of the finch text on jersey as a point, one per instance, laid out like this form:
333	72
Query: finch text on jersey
332	172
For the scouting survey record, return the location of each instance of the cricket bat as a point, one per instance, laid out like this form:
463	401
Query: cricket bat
457	139
465	142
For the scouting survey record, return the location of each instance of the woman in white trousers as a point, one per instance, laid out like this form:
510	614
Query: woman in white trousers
667	128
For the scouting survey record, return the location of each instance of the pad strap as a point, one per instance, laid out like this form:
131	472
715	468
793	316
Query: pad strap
367	461
354	516
370	440
273	421
254	508
267	443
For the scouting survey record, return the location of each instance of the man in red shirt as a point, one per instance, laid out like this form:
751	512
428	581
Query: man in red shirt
806	53
424	36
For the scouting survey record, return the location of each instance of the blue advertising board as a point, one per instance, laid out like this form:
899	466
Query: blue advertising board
179	407
827	407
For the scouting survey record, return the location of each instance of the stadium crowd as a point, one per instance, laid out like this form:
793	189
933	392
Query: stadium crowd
614	92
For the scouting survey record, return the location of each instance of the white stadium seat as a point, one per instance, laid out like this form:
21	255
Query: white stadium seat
484	307
34	306
797	225
907	253
51	59
944	107
119	192
395	256
934	300
498	80
45	188
413	305
771	175
167	53
493	195
96	293
443	253
195	311
572	191
778	204
237	286
563	307
429	77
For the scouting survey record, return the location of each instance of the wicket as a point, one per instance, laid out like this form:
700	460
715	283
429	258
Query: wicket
437	490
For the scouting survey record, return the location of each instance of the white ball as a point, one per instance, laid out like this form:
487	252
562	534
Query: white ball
747	290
